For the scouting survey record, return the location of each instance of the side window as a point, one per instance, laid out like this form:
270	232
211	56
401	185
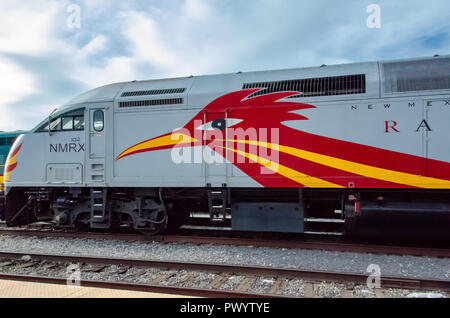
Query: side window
78	123
55	125
67	123
73	120
98	120
2	141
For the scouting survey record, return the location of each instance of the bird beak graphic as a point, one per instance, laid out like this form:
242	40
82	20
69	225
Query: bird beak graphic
175	139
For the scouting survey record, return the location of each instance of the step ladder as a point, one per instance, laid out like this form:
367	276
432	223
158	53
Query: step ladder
321	225
100	210
217	203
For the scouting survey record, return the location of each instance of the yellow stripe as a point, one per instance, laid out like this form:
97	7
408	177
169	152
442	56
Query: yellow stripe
168	140
357	168
10	162
294	175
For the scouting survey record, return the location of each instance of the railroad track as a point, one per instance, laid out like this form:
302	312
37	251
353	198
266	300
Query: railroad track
47	231
183	272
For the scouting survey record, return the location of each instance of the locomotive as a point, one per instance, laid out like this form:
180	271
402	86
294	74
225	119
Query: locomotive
300	150
6	141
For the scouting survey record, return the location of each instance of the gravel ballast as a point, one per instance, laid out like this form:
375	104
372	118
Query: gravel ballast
390	265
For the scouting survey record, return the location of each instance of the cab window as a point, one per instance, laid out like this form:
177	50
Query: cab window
70	121
55	125
78	123
67	123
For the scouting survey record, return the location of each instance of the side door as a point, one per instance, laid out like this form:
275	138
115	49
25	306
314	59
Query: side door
437	127
96	146
214	152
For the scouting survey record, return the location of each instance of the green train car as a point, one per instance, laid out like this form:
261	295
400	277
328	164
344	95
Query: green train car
6	141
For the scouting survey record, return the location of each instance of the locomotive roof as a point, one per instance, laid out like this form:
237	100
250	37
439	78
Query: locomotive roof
12	133
112	91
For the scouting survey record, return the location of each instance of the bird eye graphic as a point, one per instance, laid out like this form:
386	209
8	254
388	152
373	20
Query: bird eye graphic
219	124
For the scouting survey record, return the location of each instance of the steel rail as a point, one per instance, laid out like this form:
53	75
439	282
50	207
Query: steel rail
312	245
386	281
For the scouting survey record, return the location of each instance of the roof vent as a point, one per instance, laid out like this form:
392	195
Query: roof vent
422	75
151	102
154	92
310	87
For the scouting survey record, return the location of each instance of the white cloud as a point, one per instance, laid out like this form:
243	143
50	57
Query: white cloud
95	46
116	69
181	47
27	27
143	33
15	84
197	9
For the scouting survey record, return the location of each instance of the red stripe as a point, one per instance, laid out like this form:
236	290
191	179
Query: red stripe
15	151
10	168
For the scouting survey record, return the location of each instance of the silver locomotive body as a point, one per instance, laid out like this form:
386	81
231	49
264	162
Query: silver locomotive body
339	141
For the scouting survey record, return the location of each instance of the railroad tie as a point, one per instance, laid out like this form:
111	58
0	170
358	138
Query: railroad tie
163	276
245	285
4	264
28	264
279	286
189	277
48	266
380	293
122	270
310	290
347	294
137	274
95	268
219	281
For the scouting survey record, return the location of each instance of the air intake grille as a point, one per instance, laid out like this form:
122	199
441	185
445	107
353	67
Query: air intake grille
153	102
422	75
154	92
324	86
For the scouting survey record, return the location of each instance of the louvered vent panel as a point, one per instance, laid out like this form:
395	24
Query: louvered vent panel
154	92
152	102
324	86
422	75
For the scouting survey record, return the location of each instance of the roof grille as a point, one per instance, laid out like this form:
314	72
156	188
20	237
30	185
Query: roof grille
154	92
323	86
422	75
152	102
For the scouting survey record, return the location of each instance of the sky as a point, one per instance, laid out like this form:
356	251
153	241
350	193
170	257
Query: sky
51	51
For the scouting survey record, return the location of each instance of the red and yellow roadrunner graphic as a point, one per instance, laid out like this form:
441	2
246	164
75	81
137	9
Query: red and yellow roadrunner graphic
302	159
